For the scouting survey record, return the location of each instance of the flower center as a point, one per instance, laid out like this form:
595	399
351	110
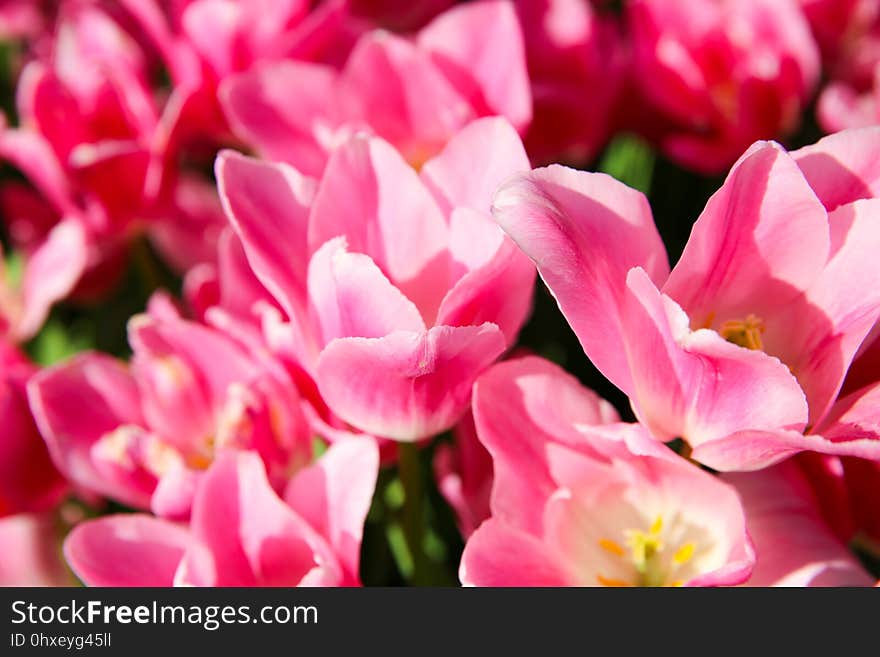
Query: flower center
647	553
744	332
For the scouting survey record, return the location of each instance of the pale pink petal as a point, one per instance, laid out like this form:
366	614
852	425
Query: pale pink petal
51	273
30	547
402	95
406	385
351	297
818	335
334	495
480	49
519	406
126	550
373	198
474	163
57	397
282	109
745	451
584	231
499	290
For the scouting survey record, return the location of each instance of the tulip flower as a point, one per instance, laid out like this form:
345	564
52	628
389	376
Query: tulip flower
398	288
720	74
580	502
415	93
151	430
578	69
241	532
744	345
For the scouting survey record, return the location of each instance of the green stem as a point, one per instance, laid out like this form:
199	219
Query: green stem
412	514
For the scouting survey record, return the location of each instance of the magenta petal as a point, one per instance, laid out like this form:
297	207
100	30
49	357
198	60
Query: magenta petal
794	546
334	495
268	207
244	534
500	555
406	385
57	397
757	244
126	550
584	231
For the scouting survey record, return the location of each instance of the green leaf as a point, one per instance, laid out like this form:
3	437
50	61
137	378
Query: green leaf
56	343
631	160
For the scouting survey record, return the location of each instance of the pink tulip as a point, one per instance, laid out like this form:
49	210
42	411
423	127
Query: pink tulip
31	557
720	74
241	532
202	42
144	435
745	344
398	288
577	66
840	28
849	33
580	502
29	481
416	93
86	118
793	545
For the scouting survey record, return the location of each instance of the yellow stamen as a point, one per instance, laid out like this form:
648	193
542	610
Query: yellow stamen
657	527
745	333
611	546
684	554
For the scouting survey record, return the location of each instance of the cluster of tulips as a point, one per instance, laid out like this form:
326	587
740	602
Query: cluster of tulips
284	300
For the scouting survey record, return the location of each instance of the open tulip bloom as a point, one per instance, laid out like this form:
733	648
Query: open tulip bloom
742	348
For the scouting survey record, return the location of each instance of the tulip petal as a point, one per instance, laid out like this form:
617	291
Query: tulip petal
268	207
500	555
352	298
406	385
755	246
480	48
584	231
334	496
126	550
